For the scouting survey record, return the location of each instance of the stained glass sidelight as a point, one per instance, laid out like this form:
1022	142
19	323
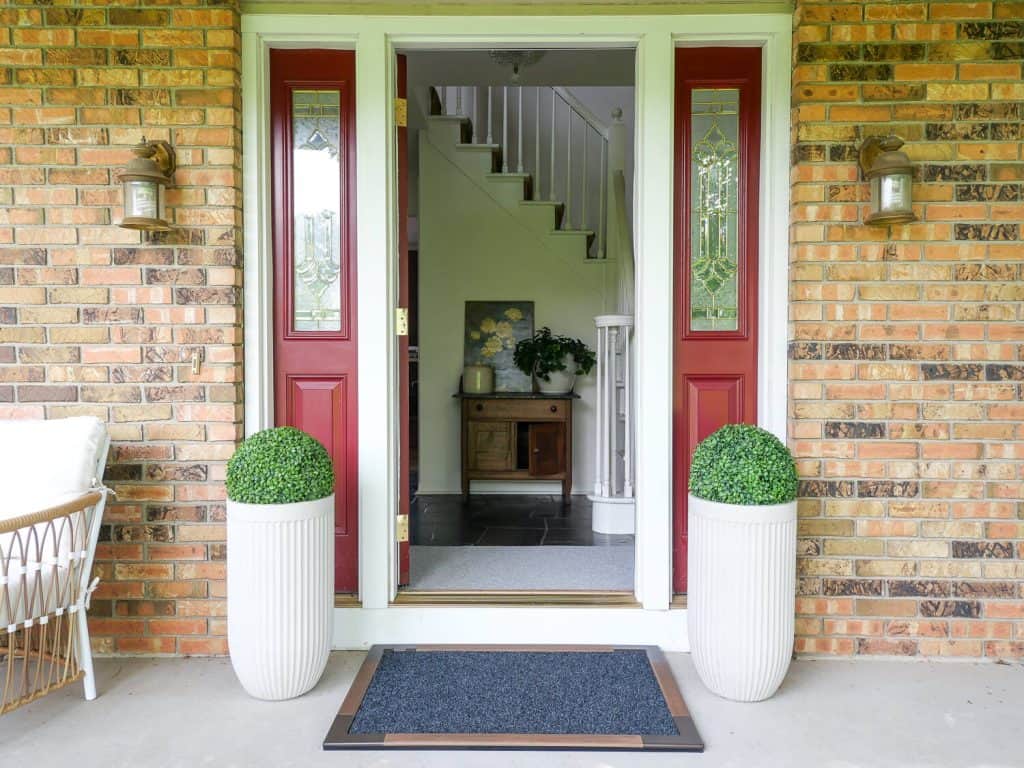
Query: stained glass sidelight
316	185
714	174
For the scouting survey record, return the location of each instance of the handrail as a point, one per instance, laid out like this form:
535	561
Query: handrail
577	106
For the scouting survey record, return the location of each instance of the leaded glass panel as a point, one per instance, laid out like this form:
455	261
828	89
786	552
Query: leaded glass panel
714	175
316	185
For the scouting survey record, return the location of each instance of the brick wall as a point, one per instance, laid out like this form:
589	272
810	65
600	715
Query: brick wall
93	321
907	362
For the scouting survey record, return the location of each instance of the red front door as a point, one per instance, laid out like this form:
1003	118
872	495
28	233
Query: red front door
718	96
312	112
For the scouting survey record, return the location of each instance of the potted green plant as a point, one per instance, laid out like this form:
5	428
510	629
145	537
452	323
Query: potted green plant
741	561
554	361
280	572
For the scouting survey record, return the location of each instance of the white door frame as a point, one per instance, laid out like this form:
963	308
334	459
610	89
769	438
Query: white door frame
375	39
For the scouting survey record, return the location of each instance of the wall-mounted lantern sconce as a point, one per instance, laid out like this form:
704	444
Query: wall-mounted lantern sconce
889	172
144	181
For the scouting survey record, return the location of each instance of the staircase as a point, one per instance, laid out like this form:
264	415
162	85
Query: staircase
541	151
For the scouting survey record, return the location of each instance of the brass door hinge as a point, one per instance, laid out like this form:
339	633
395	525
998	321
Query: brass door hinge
402	528
401	321
401	113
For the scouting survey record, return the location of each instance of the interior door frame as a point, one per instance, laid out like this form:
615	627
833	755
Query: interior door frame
654	37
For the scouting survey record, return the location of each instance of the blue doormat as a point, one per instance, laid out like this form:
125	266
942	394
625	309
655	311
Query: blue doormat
508	697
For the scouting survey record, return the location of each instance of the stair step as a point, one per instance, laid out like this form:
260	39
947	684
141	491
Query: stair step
479	147
589	234
490	152
558	209
520	177
464	125
523	182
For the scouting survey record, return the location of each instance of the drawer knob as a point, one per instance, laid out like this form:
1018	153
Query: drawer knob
554	409
479	406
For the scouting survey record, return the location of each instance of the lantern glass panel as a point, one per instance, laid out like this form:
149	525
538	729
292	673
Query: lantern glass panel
142	199
894	193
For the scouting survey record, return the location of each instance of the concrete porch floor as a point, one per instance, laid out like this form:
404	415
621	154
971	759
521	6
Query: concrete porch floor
153	713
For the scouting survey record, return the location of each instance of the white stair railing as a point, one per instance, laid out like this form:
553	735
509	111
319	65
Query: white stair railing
549	124
613	502
614	457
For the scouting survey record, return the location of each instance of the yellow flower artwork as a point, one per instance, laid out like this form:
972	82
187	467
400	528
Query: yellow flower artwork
493	328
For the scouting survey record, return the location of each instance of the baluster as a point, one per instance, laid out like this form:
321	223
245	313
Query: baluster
443	95
602	214
551	190
536	146
583	185
568	170
458	100
606	410
519	121
476	113
490	121
600	411
613	383
627	405
504	129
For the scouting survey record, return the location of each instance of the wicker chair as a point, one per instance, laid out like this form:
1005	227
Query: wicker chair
51	472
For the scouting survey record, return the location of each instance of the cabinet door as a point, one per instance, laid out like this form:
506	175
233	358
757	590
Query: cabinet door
492	446
547	449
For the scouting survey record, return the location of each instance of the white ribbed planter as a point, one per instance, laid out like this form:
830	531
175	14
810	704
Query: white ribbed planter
280	594
741	599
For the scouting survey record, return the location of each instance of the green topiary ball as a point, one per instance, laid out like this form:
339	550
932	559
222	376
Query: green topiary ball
743	464
283	465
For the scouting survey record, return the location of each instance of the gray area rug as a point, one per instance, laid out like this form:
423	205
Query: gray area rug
526	568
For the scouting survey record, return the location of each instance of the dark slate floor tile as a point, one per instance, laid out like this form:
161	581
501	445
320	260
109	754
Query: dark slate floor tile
511	537
505	521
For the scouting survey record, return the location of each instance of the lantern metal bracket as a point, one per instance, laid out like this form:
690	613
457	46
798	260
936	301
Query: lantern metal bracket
161	152
872	148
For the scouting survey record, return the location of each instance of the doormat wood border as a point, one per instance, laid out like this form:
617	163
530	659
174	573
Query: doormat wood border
688	740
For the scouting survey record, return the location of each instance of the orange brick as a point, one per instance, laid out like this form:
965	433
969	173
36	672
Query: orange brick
981	10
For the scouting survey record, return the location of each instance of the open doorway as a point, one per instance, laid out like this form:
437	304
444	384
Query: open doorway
519	217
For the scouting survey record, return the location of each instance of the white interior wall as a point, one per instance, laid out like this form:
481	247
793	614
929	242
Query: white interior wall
470	248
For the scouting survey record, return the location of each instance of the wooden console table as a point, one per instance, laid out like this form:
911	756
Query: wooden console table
517	436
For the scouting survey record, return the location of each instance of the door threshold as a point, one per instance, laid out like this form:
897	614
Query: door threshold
582	597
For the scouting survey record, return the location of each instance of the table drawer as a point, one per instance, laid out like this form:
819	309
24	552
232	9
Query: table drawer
519	410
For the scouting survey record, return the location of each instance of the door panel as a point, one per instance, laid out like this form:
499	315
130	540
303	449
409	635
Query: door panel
492	446
312	113
718	96
319	404
547	447
711	401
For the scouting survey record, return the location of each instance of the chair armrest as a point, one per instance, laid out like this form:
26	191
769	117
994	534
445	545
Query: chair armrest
86	500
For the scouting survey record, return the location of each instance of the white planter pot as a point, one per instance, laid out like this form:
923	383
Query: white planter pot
741	599
280	571
559	382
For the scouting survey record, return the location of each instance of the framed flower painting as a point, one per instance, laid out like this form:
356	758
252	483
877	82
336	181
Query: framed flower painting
493	328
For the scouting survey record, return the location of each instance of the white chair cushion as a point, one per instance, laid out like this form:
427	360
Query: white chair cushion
43	461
